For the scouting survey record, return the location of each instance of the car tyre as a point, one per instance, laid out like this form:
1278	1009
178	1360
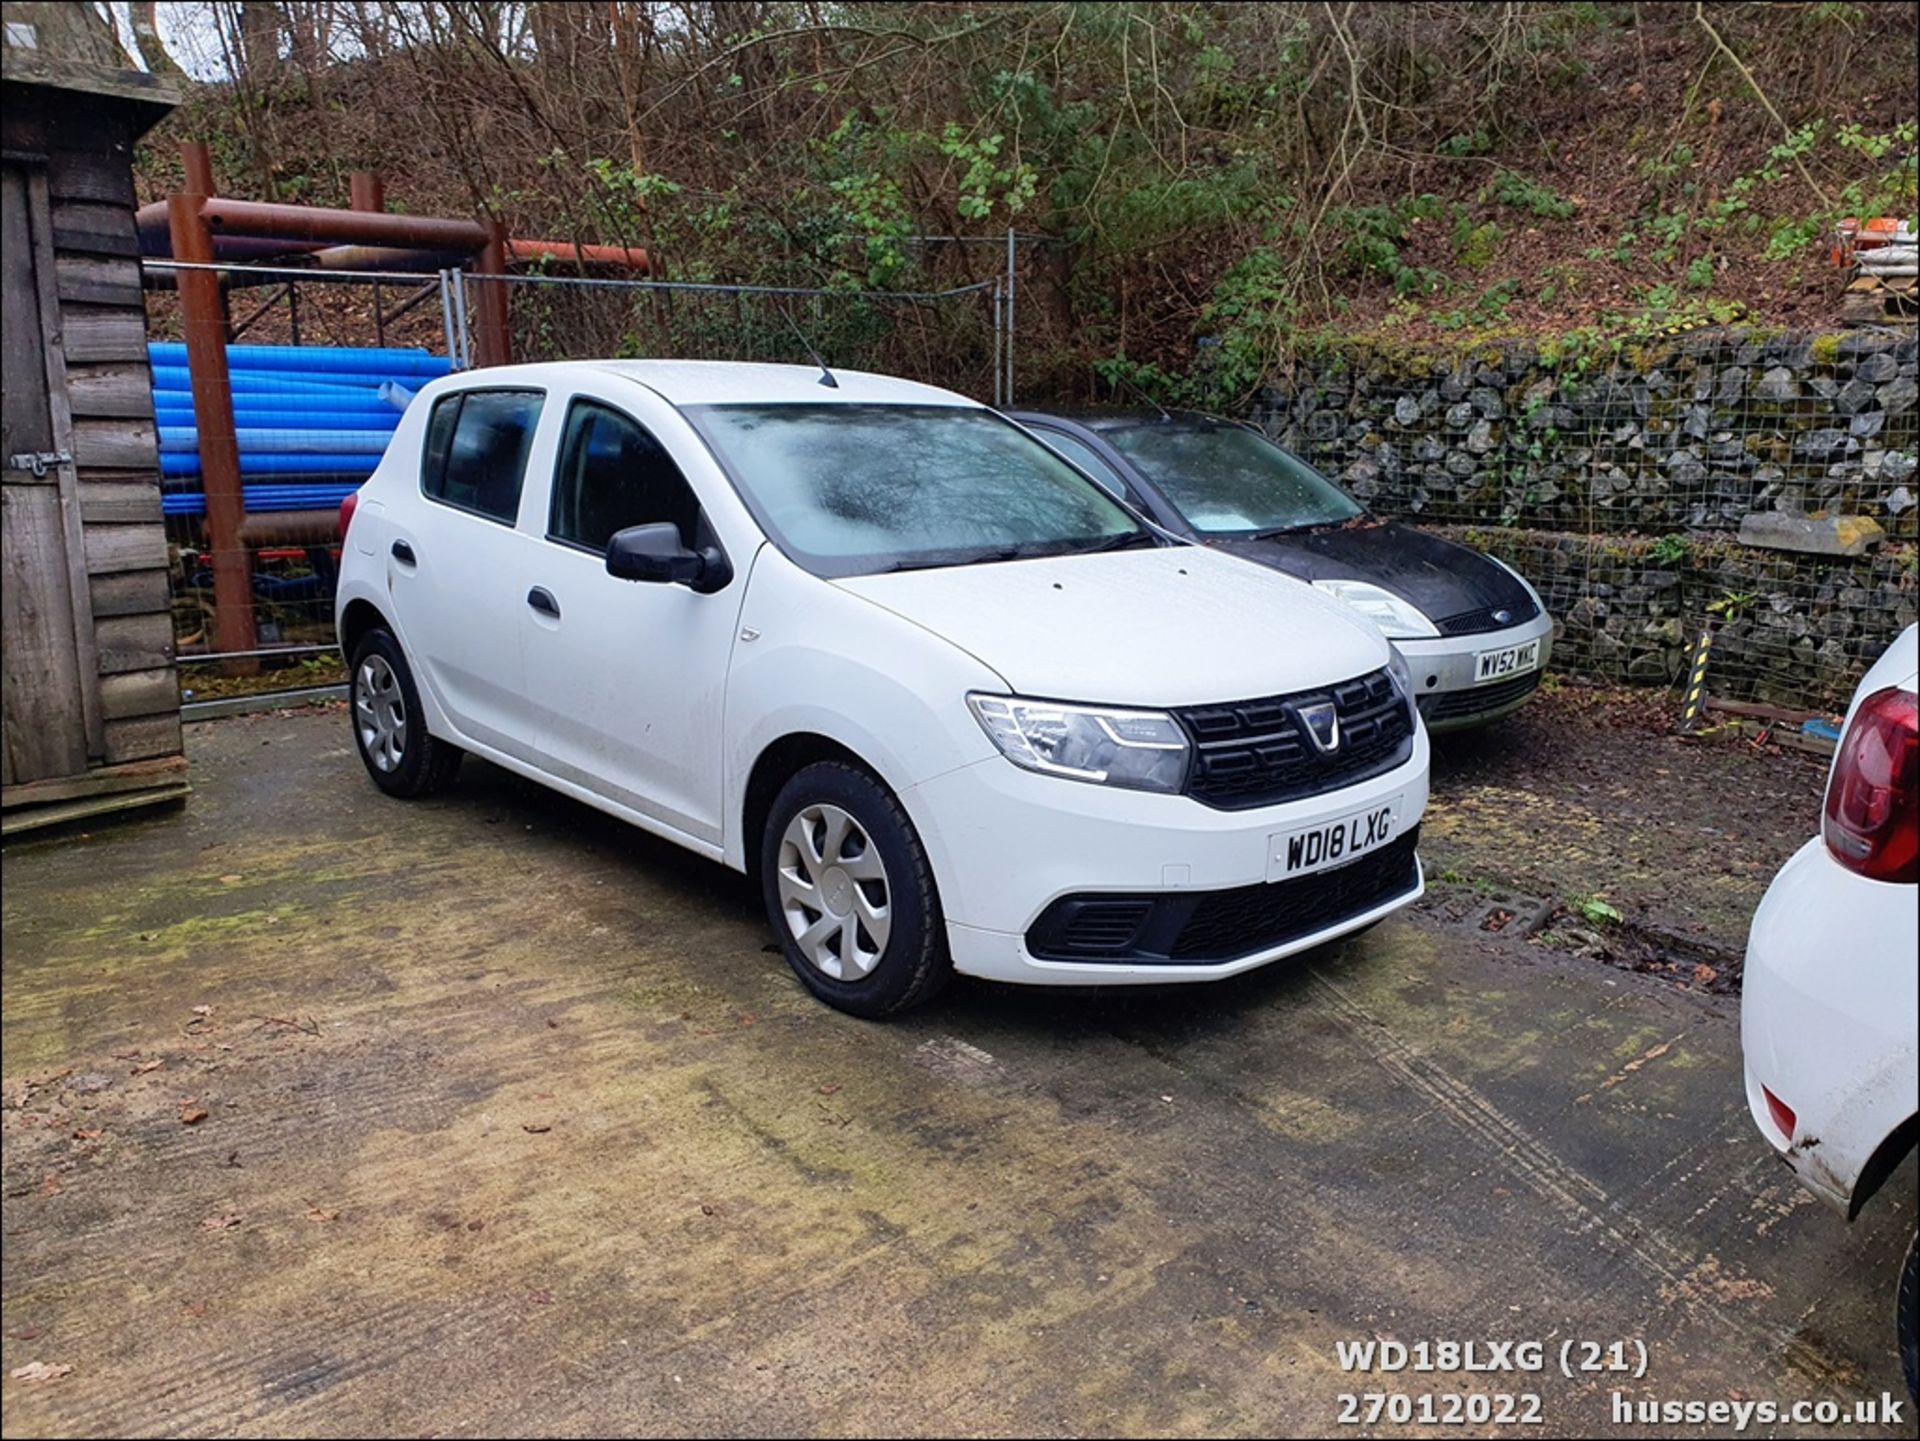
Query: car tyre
850	893
1907	1317
389	728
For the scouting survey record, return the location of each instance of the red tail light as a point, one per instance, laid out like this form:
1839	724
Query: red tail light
1872	823
1781	1112
346	511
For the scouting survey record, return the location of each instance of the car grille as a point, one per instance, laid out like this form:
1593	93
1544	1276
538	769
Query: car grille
1256	752
1208	927
1473	622
1480	699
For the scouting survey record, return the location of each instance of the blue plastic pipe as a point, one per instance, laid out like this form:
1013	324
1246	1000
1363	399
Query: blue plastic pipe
314	359
308	439
176	377
267	497
321	402
188	463
273	417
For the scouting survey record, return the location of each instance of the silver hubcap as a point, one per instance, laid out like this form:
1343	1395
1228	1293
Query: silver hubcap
379	713
833	892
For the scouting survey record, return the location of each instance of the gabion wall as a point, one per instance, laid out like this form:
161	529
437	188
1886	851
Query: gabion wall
1617	485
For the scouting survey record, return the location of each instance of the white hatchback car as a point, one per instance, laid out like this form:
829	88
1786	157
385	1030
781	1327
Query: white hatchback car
954	705
1830	1012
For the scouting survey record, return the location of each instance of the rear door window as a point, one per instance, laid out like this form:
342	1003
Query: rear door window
476	450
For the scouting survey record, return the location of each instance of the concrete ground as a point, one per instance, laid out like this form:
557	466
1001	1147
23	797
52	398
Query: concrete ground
328	1114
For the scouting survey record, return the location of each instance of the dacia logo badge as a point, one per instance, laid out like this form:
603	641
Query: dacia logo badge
1323	726
1503	616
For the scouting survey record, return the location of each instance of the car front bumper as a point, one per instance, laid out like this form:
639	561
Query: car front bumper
1444	680
1006	844
1827	1018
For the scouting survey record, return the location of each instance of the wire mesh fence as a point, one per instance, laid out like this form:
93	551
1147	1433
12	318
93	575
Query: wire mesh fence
954	338
320	366
1620	486
1706	481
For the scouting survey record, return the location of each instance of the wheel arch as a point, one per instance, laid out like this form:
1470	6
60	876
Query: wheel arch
359	617
778	762
1884	1161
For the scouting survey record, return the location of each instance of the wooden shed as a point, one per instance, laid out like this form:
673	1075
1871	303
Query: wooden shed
91	701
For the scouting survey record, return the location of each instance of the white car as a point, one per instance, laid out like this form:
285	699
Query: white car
954	705
1828	1014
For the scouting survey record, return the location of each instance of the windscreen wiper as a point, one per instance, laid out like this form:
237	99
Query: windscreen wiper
941	560
1126	540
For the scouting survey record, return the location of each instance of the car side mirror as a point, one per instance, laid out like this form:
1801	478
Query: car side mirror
655	553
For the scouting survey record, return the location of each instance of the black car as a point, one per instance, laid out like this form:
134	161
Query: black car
1473	632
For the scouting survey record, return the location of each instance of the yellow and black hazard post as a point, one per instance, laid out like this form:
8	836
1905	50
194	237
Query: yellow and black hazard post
1696	702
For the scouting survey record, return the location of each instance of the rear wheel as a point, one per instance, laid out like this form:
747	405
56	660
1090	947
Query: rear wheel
388	726
850	893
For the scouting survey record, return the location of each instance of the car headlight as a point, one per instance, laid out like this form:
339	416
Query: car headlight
1402	672
1141	749
1394	616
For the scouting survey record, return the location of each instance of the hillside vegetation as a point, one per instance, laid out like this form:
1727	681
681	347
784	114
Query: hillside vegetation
1223	184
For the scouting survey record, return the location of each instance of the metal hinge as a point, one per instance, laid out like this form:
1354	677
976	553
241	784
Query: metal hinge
38	461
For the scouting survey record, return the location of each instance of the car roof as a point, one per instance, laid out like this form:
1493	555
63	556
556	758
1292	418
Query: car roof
1098	418
722	382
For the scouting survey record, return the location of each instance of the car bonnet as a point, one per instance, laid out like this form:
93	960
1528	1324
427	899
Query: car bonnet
1171	626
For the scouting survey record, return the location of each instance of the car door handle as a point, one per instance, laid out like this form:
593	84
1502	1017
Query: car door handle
541	599
403	553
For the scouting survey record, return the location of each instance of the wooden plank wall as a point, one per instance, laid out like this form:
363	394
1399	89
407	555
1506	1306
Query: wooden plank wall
115	444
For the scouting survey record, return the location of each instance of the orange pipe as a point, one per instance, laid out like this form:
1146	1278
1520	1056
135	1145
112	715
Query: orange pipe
627	257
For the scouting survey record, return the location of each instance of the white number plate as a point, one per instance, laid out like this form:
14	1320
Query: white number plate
1334	842
1499	664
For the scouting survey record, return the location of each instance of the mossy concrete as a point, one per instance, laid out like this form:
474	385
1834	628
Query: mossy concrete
525	1131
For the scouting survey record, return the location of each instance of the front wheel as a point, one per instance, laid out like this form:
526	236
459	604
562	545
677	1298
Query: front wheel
388	726
850	893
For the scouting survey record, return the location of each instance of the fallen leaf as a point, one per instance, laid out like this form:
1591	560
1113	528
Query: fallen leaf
533	1129
192	1115
86	1134
233	880
221	1223
127	1055
50	1185
155	1064
322	1214
40	1371
25	1333
203	1010
828	1090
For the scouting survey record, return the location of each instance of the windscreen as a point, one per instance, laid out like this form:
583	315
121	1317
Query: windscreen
858	489
1230	481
